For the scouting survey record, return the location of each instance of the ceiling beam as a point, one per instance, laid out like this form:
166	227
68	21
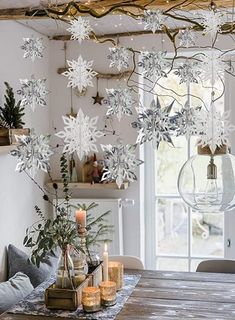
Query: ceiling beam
102	6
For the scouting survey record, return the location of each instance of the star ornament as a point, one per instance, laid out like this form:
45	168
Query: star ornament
80	74
80	29
80	134
98	99
33	153
120	163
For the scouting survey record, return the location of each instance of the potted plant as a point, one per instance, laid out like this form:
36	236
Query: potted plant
11	115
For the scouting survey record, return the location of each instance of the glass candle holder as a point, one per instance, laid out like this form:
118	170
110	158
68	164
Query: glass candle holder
108	293
116	273
91	299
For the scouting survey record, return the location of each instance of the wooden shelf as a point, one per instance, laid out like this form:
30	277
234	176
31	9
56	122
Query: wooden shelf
7	149
84	185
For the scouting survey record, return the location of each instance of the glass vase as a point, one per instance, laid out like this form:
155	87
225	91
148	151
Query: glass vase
65	271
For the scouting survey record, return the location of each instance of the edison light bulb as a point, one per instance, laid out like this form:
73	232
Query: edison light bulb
211	190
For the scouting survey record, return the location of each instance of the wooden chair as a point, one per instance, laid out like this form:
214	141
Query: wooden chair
129	262
217	266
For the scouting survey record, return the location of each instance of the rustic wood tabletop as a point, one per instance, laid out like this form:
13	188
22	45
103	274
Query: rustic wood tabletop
173	295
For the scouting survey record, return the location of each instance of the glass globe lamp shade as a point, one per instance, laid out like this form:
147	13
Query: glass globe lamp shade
207	183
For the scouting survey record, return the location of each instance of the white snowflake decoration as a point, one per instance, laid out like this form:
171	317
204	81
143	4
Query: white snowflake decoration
215	129
213	66
212	21
187	38
154	64
80	134
33	92
188	121
120	102
188	72
33	153
80	74
33	48
154	20
120	163
80	29
153	124
119	58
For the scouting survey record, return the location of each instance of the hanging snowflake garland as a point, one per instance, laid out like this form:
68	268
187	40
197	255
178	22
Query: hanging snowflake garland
154	20
188	72
80	74
119	57
120	102
80	29
80	134
33	153
213	66
33	48
186	38
120	163
33	92
212	22
154	64
154	124
215	129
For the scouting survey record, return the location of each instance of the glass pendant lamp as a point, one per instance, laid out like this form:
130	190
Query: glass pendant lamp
206	182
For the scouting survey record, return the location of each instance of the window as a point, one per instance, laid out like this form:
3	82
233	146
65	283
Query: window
183	237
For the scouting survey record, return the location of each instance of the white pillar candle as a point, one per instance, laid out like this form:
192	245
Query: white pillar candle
105	263
80	216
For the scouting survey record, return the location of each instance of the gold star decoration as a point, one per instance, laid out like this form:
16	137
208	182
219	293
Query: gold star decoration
98	99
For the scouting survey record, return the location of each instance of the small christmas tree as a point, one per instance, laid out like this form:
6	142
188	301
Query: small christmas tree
11	114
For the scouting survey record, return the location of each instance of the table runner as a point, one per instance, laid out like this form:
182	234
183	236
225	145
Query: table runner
34	303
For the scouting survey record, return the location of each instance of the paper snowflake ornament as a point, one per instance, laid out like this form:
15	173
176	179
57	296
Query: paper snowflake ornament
153	124
188	121
33	48
33	92
80	74
120	163
215	129
213	66
188	72
154	20
186	38
212	22
33	153
119	58
80	29
80	134
154	64
120	102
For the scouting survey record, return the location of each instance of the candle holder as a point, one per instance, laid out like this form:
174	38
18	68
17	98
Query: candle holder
91	299
108	293
116	273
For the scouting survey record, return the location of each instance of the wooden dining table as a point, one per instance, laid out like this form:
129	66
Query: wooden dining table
172	295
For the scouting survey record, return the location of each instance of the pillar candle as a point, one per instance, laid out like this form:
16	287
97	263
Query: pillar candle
105	263
80	216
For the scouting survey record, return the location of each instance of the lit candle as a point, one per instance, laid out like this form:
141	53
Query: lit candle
116	273
80	216
108	293
105	263
91	299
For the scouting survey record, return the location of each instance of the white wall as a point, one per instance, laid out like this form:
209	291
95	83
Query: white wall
18	195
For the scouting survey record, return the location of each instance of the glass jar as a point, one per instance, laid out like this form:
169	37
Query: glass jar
65	270
93	260
80	266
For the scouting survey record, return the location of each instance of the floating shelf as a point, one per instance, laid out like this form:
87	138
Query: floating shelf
84	185
7	149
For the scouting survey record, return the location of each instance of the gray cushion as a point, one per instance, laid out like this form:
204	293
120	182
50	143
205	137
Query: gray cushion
19	261
13	290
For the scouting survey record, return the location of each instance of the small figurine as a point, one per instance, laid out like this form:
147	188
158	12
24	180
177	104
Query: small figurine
96	171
